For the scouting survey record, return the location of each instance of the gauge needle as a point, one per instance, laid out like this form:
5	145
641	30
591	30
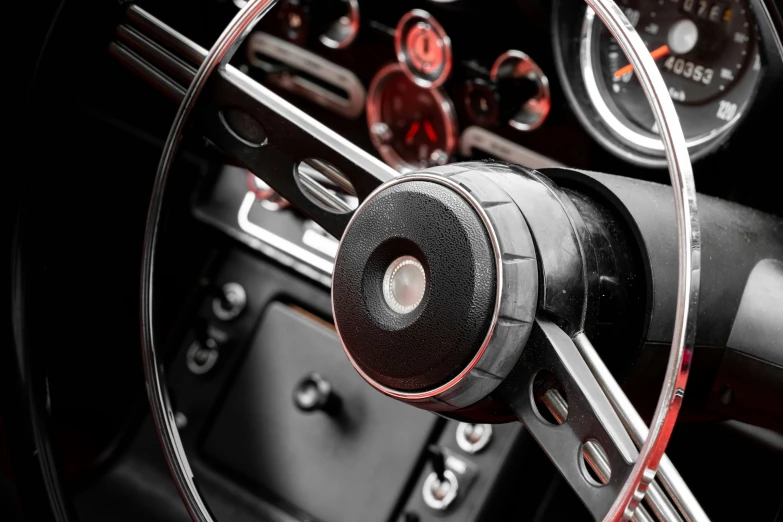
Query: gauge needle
655	53
431	134
412	131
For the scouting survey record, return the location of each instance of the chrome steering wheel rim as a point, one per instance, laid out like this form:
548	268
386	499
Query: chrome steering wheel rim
681	175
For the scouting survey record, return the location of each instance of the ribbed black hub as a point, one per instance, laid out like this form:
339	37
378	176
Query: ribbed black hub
427	347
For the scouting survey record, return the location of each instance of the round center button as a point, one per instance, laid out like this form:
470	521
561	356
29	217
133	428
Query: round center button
404	284
414	285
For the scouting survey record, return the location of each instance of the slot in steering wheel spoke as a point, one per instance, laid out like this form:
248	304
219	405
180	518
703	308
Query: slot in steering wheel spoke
230	111
552	375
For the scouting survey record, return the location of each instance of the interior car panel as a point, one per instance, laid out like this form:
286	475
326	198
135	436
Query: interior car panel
410	261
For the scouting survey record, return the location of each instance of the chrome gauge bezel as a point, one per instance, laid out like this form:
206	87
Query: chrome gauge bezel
625	137
352	28
542	100
387	152
408	20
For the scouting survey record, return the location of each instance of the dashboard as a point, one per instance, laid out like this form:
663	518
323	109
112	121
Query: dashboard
535	83
541	84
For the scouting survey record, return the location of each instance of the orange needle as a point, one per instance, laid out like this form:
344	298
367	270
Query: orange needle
657	53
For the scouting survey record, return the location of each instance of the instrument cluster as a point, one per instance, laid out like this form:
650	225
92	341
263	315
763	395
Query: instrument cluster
708	53
429	83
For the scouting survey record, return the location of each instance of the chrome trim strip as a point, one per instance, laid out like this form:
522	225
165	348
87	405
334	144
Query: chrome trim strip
147	72
165	34
480	138
276	241
660	504
158	55
433	393
641	515
313	64
319	194
689	247
280	256
325	244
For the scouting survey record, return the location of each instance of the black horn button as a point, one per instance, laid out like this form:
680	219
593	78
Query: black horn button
415	287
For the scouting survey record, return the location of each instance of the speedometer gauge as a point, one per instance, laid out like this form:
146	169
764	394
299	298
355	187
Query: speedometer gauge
708	56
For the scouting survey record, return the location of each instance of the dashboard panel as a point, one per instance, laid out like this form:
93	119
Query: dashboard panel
493	74
534	83
529	82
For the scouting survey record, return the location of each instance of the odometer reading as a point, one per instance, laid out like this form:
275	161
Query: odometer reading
706	52
689	70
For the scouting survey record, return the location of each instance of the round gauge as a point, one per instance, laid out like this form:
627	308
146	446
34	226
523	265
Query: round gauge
511	68
343	30
423	48
708	56
413	128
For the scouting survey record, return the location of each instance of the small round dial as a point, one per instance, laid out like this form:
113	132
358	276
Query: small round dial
423	48
707	53
413	128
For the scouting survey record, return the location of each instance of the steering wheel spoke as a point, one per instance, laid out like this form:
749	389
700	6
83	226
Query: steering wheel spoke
557	398
229	113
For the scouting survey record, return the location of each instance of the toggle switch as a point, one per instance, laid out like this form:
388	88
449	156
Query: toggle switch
437	460
473	438
314	393
230	302
441	485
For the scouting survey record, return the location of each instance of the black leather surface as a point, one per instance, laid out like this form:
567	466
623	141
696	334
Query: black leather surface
432	344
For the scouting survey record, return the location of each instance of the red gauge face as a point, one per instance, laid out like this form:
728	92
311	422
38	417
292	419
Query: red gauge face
413	128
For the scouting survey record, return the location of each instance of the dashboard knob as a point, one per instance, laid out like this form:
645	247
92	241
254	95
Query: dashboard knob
201	357
473	438
441	486
513	92
314	393
230	302
339	22
293	18
482	102
336	22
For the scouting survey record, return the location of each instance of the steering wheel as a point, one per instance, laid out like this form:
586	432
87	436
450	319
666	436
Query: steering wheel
460	289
